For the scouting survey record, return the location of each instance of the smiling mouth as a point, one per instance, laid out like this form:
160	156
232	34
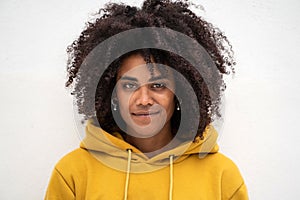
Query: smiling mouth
145	114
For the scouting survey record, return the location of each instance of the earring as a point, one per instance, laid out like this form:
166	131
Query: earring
114	104
178	104
178	107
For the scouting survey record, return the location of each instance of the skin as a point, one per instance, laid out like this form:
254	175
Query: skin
146	103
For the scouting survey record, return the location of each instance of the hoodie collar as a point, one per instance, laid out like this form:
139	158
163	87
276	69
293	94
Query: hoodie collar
111	149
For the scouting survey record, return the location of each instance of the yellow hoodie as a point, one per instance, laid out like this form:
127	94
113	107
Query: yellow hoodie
105	167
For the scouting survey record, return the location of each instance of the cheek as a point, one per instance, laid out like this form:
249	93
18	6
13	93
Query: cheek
169	103
124	102
124	110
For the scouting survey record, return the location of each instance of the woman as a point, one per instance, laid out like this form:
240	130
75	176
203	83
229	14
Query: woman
150	94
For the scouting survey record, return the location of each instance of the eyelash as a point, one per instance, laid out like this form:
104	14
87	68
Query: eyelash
133	86
129	86
160	85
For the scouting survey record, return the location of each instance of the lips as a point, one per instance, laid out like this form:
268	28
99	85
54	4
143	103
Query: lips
144	113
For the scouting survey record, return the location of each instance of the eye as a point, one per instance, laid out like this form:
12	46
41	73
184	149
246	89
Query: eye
129	86
158	85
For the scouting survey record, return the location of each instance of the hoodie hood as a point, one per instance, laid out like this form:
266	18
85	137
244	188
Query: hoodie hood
113	151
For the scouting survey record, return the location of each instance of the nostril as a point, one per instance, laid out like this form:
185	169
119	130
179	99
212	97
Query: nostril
143	97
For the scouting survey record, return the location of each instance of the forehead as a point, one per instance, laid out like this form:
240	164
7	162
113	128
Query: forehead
135	66
131	64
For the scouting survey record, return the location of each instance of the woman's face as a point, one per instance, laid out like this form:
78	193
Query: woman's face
146	99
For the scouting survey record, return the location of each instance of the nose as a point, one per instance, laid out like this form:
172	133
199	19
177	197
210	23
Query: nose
143	96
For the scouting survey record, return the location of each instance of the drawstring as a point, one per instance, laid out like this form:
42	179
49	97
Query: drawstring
171	178
127	174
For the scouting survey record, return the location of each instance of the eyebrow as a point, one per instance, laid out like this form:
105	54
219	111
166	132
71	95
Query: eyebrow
128	78
154	78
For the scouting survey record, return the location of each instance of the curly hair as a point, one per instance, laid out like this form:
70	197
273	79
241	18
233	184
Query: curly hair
174	15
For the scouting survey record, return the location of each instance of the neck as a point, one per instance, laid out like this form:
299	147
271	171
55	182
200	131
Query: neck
153	143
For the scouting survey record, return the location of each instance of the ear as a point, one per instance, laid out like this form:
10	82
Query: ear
114	93
114	100
114	104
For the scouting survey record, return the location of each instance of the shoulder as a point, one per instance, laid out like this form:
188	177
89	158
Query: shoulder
223	161
222	169
73	161
218	171
214	160
232	182
226	167
214	164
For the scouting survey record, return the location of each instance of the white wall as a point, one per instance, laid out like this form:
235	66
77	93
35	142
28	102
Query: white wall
260	132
